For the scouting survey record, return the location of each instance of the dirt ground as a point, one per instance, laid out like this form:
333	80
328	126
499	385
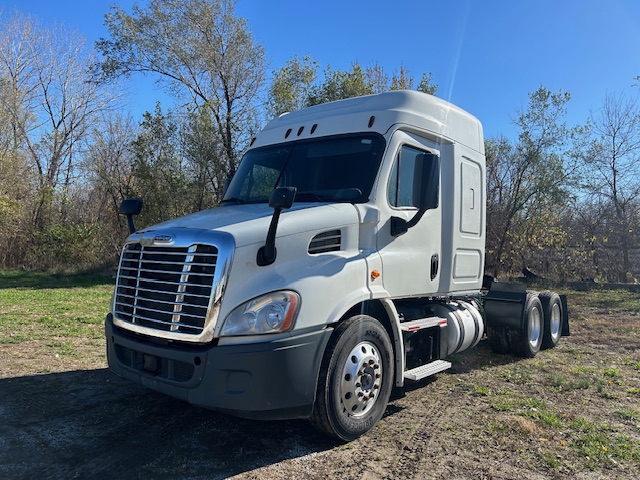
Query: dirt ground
489	417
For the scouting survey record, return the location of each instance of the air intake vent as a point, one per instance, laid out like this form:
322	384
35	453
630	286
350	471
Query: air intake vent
326	242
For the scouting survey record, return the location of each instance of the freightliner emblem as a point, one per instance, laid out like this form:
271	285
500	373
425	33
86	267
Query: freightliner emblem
163	239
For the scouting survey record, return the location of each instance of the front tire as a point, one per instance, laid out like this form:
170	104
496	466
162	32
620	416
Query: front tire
356	378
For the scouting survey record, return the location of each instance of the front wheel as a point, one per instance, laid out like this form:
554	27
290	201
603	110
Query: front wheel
355	379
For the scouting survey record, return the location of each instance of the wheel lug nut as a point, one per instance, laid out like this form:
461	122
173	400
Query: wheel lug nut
376	387
358	384
376	366
378	375
360	394
371	362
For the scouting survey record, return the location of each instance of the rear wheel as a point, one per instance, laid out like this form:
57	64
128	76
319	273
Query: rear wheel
552	311
526	342
355	379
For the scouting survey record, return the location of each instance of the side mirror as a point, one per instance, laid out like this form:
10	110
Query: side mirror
280	199
426	191
426	182
131	207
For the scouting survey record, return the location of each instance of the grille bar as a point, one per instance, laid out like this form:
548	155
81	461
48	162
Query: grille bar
166	288
164	302
164	323
161	292
151	280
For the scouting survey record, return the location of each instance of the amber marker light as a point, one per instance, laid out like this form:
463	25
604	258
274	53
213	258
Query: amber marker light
374	274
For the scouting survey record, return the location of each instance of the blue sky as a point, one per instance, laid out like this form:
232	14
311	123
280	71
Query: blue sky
486	56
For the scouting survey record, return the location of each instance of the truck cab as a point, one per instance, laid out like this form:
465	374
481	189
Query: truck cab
345	258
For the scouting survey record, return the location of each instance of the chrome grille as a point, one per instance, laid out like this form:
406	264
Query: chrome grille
165	288
326	242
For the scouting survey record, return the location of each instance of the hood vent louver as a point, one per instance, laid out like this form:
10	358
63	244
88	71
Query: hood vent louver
324	242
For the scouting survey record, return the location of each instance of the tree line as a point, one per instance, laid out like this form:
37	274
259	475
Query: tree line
562	201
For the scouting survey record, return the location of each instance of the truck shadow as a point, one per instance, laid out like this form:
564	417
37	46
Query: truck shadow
478	357
92	424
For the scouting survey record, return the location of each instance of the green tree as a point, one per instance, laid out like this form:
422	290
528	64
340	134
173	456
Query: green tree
401	80
426	84
159	172
339	84
201	152
109	175
201	51
296	85
291	85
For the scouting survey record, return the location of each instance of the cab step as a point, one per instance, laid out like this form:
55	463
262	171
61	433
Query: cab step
426	370
420	323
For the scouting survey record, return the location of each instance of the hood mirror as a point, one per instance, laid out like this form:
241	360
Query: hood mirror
280	199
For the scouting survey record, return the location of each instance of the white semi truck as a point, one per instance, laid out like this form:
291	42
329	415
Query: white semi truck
345	259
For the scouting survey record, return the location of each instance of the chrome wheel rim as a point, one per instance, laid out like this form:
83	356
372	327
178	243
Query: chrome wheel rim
361	379
535	327
556	321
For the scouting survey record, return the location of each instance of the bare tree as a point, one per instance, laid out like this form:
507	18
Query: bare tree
51	104
612	174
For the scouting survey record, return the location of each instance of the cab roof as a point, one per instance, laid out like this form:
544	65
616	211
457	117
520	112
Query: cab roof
378	113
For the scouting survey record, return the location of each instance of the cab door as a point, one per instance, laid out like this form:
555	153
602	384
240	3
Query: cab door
410	259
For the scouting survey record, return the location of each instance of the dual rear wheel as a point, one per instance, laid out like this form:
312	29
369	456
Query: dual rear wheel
541	327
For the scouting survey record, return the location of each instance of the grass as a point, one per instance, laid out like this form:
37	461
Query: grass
609	301
571	410
575	405
38	306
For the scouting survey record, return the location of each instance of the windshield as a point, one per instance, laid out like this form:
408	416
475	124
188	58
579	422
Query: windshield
330	169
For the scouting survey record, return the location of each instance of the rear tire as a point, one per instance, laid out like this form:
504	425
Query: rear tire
355	380
526	342
552	310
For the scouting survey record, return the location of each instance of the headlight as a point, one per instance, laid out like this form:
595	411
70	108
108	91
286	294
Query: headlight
271	313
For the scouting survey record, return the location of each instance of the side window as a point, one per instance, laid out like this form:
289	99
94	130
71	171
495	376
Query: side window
401	182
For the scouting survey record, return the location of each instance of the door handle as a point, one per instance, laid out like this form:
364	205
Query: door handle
435	263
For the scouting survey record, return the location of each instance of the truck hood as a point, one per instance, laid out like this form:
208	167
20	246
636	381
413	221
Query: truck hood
248	224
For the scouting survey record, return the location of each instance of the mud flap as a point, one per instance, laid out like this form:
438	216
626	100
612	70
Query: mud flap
503	305
565	316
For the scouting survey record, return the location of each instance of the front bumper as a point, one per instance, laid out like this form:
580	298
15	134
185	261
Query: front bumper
275	379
